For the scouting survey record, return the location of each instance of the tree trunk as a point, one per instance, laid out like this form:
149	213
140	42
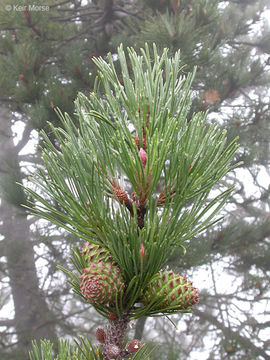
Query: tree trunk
140	327
33	319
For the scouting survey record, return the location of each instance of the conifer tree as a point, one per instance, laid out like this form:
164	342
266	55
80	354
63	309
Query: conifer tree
46	59
138	130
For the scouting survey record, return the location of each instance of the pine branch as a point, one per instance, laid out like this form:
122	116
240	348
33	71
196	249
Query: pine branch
119	269
61	3
7	322
232	334
25	138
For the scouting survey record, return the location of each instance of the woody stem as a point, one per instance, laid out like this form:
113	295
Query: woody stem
140	216
115	332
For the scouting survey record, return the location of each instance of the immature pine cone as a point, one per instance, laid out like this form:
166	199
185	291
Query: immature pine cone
170	290
101	282
95	253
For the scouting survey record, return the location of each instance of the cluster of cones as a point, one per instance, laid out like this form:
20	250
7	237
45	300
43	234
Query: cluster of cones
102	280
101	283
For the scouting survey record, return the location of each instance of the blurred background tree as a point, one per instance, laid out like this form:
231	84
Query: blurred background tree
45	60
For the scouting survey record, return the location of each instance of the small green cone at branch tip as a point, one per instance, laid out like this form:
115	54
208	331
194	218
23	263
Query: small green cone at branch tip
95	254
101	282
168	289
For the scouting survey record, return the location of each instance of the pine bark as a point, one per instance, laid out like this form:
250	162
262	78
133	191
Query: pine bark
115	332
140	324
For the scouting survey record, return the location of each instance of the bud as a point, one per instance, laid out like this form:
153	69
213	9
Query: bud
143	156
134	346
142	251
112	316
100	335
112	351
170	290
101	282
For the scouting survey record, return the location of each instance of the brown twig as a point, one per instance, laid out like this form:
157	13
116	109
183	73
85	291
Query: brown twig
27	17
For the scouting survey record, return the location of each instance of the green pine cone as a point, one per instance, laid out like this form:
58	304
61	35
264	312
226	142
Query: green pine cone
95	253
101	282
170	290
